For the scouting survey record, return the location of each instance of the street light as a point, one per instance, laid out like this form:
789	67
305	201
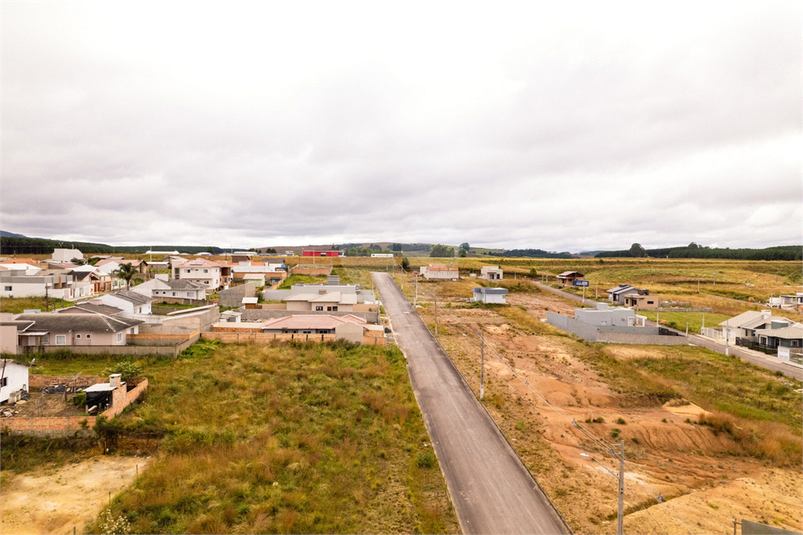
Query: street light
482	361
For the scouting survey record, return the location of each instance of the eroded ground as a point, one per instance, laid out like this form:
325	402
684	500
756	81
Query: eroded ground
536	387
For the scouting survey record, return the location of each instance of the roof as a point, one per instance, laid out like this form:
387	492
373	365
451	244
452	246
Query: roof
12	361
311	321
569	274
490	291
132	297
761	321
96	323
793	332
747	317
250	300
100	387
183	284
621	289
19	261
91	308
200	262
21	325
440	267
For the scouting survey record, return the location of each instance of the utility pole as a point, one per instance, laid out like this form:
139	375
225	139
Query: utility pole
415	300
687	329
436	315
482	364
620	517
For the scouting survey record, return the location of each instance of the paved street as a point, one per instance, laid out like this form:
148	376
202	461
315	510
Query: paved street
491	490
754	357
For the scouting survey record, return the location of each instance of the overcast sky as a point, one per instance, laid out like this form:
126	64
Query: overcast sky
578	126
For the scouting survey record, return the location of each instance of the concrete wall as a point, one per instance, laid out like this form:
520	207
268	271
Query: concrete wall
565	323
613	334
38	381
141	350
156	339
605	316
8	339
233	297
258	315
179	324
71	425
242	338
350	332
649	339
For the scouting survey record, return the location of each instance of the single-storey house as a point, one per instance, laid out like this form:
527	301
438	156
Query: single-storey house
59	329
92	308
130	302
643	302
567	278
746	325
323	301
617	295
489	295
67	255
13	377
184	289
440	272
491	273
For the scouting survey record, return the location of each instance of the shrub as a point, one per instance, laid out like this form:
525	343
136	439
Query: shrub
620	421
128	370
425	459
79	400
615	432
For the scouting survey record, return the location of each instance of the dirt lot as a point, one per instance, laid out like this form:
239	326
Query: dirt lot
535	388
40	404
56	500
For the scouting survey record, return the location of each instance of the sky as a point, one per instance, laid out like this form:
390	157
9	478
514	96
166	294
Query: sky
567	127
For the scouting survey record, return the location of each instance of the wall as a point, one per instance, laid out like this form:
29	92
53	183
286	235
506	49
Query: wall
242	338
37	381
233	297
257	315
630	338
21	289
163	351
584	331
8	339
350	332
71	425
613	334
179	300
17	378
201	321
312	270
158	339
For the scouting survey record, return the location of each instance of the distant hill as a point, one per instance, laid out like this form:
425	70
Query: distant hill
26	246
783	252
532	253
6	234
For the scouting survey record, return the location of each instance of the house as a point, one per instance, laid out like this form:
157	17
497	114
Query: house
743	329
643	302
98	280
489	295
790	336
362	296
603	316
271	270
184	289
439	272
67	255
617	295
110	265
568	277
13	378
24	266
322	253
59	329
309	324
202	271
242	256
159	282
92	308
56	283
130	302
491	273
791	301
322	301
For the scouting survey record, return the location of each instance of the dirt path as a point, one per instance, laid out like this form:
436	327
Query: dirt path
56	500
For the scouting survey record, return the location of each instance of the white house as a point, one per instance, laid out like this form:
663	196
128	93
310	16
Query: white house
491	273
440	272
130	302
490	295
67	255
201	271
183	289
14	376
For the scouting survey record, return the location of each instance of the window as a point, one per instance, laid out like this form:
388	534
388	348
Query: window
319	309
61	339
189	294
4	382
306	332
334	309
8	288
119	337
174	294
78	336
206	271
89	336
188	271
206	282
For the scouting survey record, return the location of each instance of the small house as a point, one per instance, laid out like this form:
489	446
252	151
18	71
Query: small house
642	302
489	295
617	295
440	272
491	273
13	378
567	278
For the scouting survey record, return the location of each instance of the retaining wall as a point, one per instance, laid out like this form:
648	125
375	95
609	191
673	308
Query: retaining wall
263	338
612	334
38	381
261	315
171	350
233	297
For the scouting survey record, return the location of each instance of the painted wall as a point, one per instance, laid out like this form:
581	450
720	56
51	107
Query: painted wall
15	377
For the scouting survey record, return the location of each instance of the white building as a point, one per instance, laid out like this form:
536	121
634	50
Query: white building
201	271
490	295
131	303
491	273
440	272
67	255
14	377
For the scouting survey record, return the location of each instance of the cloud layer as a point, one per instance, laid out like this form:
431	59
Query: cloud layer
564	128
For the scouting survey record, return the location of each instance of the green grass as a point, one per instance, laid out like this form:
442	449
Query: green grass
17	305
301	279
290	439
678	320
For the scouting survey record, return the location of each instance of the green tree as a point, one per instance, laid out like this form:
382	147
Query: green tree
405	264
441	251
462	253
128	370
637	251
465	246
533	273
125	272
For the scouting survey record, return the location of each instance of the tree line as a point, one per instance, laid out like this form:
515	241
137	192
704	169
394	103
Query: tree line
784	252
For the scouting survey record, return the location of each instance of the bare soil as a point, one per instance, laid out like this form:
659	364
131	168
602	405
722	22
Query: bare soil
58	500
535	388
40	405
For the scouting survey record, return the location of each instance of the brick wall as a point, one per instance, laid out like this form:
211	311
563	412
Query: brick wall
37	381
69	425
242	338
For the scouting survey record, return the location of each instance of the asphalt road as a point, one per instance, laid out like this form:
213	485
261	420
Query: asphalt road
753	357
491	489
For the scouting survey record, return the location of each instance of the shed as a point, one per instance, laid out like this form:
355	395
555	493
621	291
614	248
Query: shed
489	295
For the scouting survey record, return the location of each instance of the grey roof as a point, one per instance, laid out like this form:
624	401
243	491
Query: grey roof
21	326
91	308
132	297
184	284
622	288
495	291
570	273
96	323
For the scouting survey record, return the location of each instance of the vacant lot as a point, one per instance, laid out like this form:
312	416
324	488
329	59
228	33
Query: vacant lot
717	438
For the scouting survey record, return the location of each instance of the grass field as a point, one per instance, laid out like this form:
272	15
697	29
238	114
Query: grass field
17	305
678	320
261	439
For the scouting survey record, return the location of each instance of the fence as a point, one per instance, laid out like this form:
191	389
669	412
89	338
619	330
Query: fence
70	425
755	346
264	338
172	350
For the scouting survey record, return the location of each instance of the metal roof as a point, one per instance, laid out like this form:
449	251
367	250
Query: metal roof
490	291
97	323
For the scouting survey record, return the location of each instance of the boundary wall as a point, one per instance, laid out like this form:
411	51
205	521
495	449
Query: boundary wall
262	314
614	335
53	426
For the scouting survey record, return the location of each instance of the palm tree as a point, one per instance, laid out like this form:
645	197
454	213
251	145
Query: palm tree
126	272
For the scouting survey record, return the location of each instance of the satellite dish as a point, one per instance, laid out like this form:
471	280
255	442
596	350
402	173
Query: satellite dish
33	361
